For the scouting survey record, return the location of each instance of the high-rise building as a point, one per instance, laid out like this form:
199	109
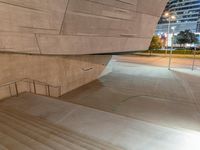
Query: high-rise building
187	13
198	26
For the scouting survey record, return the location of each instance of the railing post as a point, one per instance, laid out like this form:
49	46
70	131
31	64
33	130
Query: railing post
29	85
60	91
10	90
48	89
34	87
16	89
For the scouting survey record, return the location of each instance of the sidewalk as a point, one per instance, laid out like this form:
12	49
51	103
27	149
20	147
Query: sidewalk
167	55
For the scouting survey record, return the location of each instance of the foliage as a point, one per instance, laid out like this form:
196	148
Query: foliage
182	51
186	37
155	43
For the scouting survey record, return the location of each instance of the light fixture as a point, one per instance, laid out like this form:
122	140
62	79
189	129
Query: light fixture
173	17
166	14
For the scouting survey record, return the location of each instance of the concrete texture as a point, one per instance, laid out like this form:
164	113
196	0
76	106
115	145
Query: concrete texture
146	92
137	106
124	132
65	27
178	62
69	72
20	131
70	27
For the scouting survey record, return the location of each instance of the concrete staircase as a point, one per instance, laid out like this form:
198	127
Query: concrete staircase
20	131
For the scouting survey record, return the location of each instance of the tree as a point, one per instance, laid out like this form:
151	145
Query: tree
186	37
156	43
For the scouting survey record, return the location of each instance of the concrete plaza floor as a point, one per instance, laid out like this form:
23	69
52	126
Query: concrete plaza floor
137	106
143	88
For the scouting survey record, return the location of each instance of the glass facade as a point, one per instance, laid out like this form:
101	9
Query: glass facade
198	26
187	13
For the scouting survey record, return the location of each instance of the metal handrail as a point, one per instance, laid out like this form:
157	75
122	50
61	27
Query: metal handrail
35	82
40	82
9	83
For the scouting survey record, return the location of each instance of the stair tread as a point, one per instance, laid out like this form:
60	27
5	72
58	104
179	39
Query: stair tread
3	148
75	141
22	138
9	143
32	130
58	136
71	133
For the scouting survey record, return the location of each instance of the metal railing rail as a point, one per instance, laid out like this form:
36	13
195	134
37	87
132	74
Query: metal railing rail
34	83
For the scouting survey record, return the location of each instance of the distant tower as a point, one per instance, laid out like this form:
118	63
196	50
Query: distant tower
198	25
187	13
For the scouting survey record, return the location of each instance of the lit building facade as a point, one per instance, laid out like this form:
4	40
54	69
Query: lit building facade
187	14
198	26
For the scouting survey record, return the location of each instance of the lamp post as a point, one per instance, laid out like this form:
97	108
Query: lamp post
170	17
172	45
194	57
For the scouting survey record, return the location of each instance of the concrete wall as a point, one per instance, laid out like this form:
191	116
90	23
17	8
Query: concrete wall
77	26
70	27
69	72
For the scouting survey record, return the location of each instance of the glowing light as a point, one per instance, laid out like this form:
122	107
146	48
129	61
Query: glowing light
173	28
173	17
166	14
169	16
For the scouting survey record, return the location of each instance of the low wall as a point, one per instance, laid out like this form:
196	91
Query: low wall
69	72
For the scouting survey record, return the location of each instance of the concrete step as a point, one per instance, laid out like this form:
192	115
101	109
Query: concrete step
3	148
7	142
66	136
45	135
22	137
37	133
70	135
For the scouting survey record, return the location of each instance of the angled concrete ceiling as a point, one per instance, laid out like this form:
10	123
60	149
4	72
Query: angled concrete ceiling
73	27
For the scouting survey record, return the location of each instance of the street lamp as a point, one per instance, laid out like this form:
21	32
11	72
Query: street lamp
194	57
170	17
172	45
